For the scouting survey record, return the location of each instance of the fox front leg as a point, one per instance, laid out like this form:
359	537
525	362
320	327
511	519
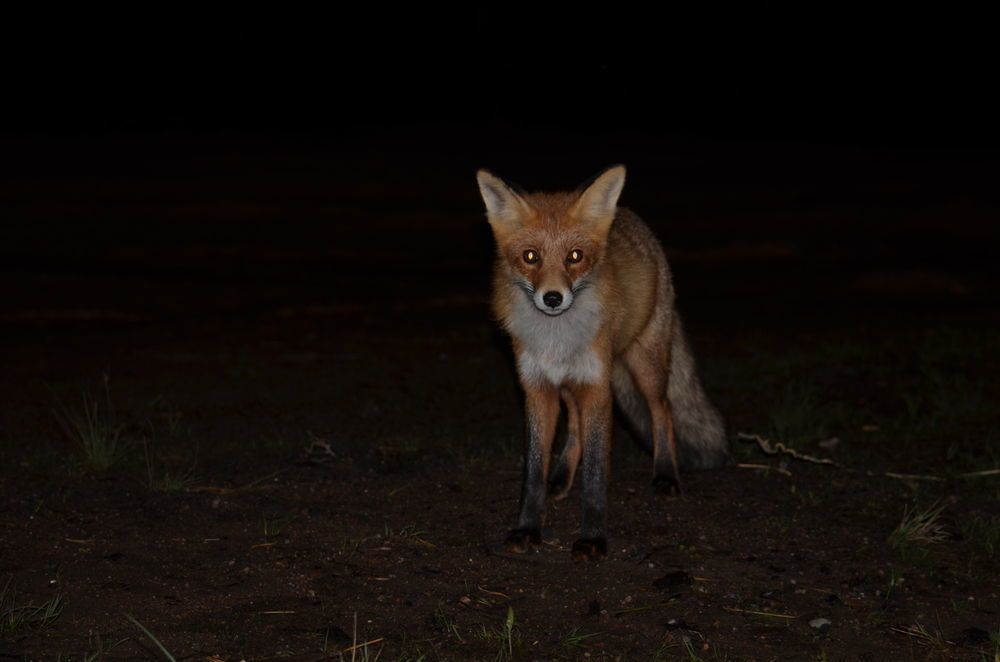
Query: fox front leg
541	413
595	422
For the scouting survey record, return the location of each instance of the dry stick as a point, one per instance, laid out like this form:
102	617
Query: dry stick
765	467
937	479
985	472
355	647
497	593
759	613
236	490
777	448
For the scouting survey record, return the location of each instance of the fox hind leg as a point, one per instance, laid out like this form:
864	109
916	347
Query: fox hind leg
562	474
649	373
666	469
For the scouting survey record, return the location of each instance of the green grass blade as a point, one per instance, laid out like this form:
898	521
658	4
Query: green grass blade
149	634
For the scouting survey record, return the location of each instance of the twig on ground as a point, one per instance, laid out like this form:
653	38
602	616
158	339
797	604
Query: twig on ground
759	613
985	472
890	474
771	449
777	448
254	484
765	467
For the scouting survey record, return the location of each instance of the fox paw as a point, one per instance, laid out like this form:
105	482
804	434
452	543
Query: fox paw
590	549
520	541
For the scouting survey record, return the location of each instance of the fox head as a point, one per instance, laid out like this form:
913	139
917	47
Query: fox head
549	243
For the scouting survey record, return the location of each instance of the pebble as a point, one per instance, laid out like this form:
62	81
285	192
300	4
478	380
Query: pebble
820	623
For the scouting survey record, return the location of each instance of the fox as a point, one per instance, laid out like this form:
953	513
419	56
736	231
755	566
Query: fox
583	289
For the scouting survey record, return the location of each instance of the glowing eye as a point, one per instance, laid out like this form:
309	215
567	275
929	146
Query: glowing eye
574	256
530	256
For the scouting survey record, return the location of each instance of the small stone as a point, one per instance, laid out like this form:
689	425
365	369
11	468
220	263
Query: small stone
820	623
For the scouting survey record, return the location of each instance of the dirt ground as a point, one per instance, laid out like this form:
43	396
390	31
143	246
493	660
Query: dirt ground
320	433
302	479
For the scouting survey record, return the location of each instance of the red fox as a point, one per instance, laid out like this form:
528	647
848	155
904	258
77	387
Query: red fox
583	288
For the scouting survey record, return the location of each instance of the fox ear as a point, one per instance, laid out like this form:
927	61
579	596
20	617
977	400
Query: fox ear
598	202
505	209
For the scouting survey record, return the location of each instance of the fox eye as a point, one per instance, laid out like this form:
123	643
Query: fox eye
574	256
530	256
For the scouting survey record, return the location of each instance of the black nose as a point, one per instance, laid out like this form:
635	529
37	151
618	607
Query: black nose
552	299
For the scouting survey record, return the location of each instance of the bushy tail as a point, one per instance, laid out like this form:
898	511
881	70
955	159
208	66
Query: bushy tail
701	436
700	433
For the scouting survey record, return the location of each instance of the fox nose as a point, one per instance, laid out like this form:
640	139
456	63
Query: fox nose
552	299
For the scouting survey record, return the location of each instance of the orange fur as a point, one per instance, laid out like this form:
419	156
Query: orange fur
584	289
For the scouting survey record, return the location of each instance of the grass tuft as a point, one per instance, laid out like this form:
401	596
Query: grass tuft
930	637
507	637
408	534
689	651
166	480
447	624
574	641
94	430
15	617
95	653
919	528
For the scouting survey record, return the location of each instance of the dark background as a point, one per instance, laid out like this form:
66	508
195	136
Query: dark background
238	239
821	157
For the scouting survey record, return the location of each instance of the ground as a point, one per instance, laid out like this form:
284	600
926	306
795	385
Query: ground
302	480
319	431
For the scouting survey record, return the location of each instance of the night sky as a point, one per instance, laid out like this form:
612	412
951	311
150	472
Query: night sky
245	147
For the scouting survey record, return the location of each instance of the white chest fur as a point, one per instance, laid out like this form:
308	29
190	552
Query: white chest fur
557	349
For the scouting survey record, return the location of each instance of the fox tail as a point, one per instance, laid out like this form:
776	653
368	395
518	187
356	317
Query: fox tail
700	433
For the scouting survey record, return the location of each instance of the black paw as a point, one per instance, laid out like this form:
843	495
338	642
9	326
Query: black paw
590	549
668	484
520	540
